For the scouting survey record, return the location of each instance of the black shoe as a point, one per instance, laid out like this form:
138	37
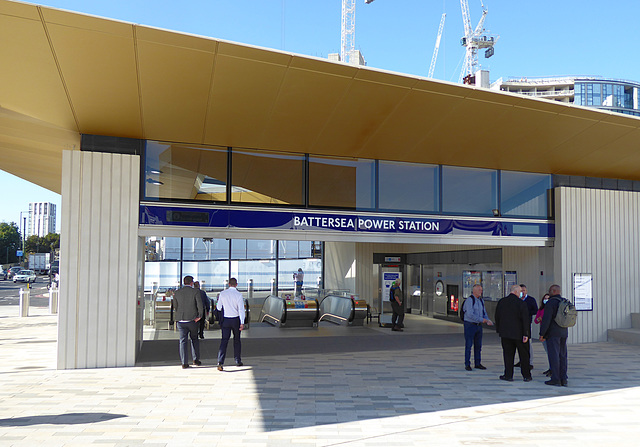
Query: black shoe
397	329
185	366
239	364
547	373
527	379
201	336
517	365
468	368
220	367
564	383
197	362
508	379
552	383
480	367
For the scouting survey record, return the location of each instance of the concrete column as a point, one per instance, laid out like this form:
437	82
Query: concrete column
98	260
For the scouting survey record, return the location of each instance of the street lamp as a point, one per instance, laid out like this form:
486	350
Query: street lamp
23	221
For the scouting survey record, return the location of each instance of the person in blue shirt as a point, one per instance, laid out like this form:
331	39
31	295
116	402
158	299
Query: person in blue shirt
475	315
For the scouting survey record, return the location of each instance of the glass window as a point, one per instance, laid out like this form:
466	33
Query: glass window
524	194
194	249
579	94
162	263
211	274
238	249
344	183
407	187
267	177
607	95
469	190
312	269
597	97
261	249
178	171
258	273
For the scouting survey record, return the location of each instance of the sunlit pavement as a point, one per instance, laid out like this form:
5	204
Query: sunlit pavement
403	395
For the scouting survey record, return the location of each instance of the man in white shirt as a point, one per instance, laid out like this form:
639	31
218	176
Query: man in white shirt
231	303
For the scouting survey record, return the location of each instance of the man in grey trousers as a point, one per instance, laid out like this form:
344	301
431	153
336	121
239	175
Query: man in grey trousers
187	311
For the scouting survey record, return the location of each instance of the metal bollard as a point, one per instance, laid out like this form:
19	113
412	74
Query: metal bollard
250	288
54	293
24	302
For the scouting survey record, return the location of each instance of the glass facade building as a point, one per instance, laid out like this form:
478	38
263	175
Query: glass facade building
238	176
615	95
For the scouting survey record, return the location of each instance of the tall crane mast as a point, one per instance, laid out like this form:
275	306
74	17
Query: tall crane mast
348	35
474	40
432	67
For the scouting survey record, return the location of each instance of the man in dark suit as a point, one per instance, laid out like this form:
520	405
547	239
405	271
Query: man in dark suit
513	324
206	303
187	311
556	337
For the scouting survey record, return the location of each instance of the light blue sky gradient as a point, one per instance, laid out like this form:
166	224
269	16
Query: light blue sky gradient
537	38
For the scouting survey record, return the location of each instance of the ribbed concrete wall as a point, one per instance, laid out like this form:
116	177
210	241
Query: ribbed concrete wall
534	266
98	260
598	232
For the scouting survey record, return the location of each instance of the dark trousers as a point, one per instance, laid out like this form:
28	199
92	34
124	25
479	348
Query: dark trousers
557	353
189	330
472	336
201	323
230	325
398	313
509	347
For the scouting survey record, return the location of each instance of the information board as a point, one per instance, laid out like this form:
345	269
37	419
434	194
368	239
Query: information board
583	291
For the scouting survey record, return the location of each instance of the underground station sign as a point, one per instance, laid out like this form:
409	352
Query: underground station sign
303	221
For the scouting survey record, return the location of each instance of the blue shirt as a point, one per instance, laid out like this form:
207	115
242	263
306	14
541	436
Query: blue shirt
474	313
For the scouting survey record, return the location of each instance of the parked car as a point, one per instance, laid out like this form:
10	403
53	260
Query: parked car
3	274
25	276
13	270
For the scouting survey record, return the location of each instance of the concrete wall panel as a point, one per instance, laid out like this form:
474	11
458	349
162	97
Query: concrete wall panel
98	260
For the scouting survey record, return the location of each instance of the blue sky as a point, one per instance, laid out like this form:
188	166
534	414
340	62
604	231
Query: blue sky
537	38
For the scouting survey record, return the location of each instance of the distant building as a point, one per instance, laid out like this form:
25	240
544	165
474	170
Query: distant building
355	57
42	219
591	91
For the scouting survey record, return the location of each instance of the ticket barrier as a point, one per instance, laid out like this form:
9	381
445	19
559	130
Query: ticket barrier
162	312
343	309
289	311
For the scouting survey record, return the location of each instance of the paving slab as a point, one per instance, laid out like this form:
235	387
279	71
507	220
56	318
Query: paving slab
368	387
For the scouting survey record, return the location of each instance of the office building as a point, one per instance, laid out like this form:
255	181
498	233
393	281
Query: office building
42	219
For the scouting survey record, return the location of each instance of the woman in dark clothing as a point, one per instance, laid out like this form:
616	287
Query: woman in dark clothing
537	320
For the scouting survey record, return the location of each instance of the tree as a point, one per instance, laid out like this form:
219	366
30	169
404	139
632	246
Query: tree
48	244
9	242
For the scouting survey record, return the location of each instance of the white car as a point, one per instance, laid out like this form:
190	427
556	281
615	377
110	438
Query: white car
25	276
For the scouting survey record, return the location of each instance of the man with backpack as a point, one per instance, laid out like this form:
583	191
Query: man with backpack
474	315
556	336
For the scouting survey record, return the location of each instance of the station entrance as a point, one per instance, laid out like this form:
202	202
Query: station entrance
343	284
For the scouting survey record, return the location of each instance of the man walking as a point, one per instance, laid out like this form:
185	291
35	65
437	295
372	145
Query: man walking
231	303
206	304
475	315
395	296
556	337
513	324
187	311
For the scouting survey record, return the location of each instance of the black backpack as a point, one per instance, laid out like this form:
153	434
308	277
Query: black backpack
462	307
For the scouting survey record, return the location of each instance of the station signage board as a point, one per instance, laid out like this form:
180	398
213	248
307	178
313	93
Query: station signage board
332	222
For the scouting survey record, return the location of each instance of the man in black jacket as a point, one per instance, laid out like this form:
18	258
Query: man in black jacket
556	338
513	324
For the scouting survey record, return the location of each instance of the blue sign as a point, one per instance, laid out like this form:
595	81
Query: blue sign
19	253
304	221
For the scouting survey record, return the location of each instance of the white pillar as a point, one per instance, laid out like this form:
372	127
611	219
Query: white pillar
98	260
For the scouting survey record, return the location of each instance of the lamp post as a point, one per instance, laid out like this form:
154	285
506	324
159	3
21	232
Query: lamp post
23	221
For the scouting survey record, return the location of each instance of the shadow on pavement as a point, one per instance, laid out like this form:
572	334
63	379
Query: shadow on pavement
60	419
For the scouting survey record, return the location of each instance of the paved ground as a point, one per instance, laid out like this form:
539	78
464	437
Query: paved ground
404	389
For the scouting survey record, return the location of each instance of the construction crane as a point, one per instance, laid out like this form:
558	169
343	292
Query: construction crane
432	67
348	35
474	40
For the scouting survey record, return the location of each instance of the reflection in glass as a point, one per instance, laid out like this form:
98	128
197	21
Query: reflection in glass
469	190
204	249
407	187
179	171
343	183
211	274
312	269
267	177
524	194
